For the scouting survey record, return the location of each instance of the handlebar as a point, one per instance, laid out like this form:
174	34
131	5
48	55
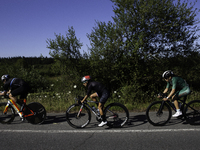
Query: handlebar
79	98
162	95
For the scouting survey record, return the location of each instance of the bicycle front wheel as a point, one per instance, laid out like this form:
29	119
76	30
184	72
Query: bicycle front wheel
117	115
158	117
7	115
39	113
192	112
77	117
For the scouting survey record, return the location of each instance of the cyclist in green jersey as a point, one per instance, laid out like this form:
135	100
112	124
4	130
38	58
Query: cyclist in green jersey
179	89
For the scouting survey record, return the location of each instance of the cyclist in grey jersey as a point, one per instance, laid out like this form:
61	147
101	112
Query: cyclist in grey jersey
179	89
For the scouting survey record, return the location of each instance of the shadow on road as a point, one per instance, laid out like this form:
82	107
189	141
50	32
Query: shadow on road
134	120
50	119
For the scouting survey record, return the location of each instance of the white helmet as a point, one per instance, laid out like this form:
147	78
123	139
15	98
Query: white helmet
167	74
5	77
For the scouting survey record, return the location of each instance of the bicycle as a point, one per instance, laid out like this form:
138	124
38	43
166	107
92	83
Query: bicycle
34	112
159	113
78	115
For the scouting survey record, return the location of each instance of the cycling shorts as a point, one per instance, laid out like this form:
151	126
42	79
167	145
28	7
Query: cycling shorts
105	95
185	91
22	91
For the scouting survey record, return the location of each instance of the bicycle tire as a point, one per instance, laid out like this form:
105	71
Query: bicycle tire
117	115
39	113
80	121
192	112
158	119
9	116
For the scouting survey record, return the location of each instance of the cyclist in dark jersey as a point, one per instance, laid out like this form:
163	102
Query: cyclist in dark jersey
179	89
14	87
101	92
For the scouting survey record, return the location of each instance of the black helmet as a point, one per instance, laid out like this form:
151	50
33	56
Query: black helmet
167	74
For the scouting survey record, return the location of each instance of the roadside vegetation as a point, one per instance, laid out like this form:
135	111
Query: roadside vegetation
128	54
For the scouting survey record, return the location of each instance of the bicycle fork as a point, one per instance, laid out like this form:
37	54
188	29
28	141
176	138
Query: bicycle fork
13	104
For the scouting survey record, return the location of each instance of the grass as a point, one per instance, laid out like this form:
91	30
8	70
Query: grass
59	102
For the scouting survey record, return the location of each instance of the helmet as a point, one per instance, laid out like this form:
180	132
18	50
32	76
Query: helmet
5	77
85	78
167	74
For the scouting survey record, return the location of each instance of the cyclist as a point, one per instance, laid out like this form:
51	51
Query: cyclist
14	87
179	89
101	92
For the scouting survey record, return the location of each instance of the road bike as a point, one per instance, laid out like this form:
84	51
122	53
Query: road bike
34	112
78	115
159	113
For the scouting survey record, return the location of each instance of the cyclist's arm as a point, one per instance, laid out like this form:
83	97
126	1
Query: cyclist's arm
3	93
84	98
165	91
170	94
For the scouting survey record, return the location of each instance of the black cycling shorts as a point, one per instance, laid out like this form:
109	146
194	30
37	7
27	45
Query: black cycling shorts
105	95
22	91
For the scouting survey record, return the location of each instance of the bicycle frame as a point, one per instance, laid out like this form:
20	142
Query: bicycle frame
14	105
86	104
172	105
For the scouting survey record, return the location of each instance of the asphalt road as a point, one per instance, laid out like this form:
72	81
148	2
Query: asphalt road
138	134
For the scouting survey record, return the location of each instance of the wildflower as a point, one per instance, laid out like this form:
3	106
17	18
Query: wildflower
75	86
115	92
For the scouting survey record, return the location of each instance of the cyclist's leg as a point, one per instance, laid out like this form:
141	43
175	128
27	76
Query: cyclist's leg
23	92
102	101
184	92
94	97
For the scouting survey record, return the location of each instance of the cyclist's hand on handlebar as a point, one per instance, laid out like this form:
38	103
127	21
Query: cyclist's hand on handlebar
165	99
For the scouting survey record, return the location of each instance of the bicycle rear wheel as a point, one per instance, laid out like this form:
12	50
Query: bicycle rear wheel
8	116
156	117
39	113
116	114
75	120
192	112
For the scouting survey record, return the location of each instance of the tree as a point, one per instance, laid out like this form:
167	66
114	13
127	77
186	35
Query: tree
142	29
65	47
65	51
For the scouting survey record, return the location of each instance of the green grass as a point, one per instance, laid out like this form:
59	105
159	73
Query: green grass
59	102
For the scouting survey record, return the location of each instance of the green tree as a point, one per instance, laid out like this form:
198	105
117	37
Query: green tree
65	47
142	29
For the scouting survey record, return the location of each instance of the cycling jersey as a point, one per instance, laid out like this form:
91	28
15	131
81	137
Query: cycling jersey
101	90
180	85
177	83
17	87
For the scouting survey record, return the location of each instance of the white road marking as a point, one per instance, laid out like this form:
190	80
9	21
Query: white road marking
99	131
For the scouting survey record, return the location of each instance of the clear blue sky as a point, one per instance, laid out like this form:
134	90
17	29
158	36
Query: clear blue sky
25	25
